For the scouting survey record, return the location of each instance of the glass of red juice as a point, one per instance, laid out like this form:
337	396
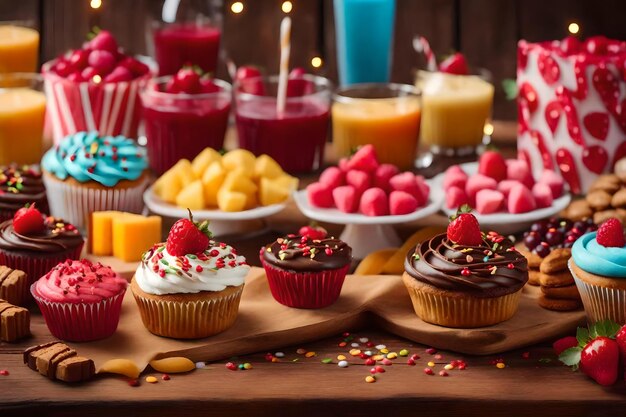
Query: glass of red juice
186	43
296	137
181	125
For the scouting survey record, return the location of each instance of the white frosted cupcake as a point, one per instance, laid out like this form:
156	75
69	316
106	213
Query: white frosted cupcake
189	287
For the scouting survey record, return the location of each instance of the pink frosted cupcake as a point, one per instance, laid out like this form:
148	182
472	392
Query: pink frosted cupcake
80	301
304	272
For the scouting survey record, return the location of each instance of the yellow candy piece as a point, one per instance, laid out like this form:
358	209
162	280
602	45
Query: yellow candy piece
151	379
176	364
124	367
212	180
231	200
184	171
168	186
373	263
133	235
395	264
265	166
239	159
192	196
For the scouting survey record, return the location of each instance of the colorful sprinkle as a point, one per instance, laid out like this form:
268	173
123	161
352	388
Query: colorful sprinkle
438	357
231	366
392	355
4	372
428	371
342	364
247	366
280	354
403	352
341	357
355	345
151	379
355	352
443	373
431	351
370	379
300	351
386	362
448	367
500	365
327	360
370	361
310	354
379	347
364	340
200	365
133	382
384	350
431	363
165	377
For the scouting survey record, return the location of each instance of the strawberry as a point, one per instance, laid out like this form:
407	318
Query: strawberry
597	354
102	61
611	234
188	237
249	81
464	229
28	220
119	74
600	359
187	80
63	68
135	66
104	41
207	86
564	343
313	231
454	64
78	59
364	159
620	338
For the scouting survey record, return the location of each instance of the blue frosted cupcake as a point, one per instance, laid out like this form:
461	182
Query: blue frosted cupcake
598	264
86	173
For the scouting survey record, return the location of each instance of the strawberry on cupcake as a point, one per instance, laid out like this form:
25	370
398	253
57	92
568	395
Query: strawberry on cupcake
598	265
189	287
35	243
465	278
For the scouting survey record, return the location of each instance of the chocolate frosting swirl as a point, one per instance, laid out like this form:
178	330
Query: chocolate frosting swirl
20	185
492	269
57	236
301	253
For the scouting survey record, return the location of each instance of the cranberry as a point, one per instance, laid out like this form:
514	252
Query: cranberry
539	227
532	240
554	237
543	249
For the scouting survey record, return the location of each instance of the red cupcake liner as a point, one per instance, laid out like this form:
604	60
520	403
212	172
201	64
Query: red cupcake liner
305	289
36	266
81	322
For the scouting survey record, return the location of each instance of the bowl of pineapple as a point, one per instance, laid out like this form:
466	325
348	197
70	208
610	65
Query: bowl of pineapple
225	188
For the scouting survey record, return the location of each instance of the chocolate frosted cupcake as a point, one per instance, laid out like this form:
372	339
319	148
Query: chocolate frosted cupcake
20	185
40	248
303	272
465	278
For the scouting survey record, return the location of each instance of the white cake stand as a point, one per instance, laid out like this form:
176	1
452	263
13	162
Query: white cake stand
222	222
366	234
503	222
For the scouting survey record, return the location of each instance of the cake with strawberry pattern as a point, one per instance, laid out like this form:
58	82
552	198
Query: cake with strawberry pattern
190	286
570	107
598	264
465	278
35	243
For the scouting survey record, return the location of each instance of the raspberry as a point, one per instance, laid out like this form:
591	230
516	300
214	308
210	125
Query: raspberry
611	234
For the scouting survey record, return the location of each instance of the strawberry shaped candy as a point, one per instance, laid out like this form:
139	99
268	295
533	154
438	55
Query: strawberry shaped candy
464	229
186	80
188	237
104	41
597	353
611	234
28	220
313	231
455	64
248	78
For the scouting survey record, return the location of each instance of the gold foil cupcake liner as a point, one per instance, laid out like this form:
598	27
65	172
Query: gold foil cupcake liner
189	319
461	311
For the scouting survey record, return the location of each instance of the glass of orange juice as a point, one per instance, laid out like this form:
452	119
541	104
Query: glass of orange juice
19	46
384	115
455	110
22	111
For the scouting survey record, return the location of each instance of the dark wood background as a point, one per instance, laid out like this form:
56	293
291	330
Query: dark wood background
485	30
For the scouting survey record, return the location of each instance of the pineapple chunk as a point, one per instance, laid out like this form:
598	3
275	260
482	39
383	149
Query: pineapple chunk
238	181
213	179
205	158
239	159
192	196
273	192
231	200
287	181
266	166
168	186
184	171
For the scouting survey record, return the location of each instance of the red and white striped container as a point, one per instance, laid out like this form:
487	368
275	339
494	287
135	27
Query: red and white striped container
110	108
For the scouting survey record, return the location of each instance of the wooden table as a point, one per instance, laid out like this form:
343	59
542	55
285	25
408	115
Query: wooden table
536	385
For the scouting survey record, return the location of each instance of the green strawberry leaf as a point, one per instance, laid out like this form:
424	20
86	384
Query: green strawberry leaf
605	328
509	85
464	209
571	356
582	335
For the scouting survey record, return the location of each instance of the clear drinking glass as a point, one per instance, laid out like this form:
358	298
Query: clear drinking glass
384	115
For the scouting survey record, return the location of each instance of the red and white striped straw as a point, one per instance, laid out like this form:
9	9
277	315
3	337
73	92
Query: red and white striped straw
285	50
421	46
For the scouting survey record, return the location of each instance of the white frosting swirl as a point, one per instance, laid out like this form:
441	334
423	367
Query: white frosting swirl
218	267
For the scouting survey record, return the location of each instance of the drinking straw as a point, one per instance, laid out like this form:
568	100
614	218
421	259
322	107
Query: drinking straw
421	45
285	49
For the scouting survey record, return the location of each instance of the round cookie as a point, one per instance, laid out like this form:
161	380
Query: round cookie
569	292
558	304
619	199
559	279
578	210
599	199
620	169
534	277
556	261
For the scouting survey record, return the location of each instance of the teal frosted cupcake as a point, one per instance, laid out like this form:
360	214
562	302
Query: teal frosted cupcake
86	173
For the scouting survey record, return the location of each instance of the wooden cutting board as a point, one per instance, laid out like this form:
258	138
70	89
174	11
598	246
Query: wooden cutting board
265	325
